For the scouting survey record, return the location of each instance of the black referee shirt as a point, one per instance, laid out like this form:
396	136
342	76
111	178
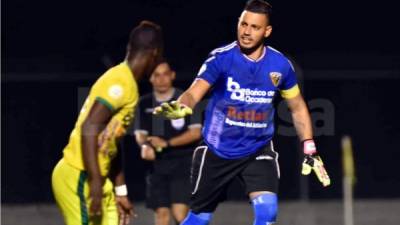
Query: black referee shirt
164	128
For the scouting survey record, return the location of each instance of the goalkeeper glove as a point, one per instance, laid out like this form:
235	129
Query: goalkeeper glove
312	161
173	110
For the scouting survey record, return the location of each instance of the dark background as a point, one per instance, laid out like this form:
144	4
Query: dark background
348	53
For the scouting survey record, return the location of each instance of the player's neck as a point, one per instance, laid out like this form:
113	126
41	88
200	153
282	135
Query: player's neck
254	53
137	65
164	96
136	69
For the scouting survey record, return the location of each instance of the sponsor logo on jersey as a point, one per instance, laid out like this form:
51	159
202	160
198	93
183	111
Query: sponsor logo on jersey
246	118
248	95
275	78
247	115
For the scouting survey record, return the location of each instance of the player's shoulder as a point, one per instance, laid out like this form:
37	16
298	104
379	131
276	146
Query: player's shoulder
118	78
120	72
273	52
278	56
223	50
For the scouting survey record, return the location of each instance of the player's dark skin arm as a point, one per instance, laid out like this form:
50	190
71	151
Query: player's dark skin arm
95	122
116	172
124	206
301	117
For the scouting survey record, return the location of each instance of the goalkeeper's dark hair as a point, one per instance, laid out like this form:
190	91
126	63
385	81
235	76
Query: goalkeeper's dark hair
259	6
146	36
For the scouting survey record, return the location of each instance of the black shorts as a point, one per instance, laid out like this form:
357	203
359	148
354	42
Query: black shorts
211	175
168	182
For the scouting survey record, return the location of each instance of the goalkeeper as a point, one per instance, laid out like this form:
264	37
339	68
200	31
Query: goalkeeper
244	78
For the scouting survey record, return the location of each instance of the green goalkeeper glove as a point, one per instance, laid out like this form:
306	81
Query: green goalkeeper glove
173	110
313	162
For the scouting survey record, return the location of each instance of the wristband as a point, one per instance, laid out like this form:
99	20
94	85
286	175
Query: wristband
309	147
121	190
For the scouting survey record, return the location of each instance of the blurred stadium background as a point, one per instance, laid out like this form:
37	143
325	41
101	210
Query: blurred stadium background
347	54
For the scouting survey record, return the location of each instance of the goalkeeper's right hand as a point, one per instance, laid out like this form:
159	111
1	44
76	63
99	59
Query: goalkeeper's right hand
313	162
173	110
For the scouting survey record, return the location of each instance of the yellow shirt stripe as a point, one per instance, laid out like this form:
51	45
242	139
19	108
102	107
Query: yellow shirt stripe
105	103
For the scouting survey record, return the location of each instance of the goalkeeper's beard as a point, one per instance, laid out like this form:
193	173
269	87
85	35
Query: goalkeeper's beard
249	51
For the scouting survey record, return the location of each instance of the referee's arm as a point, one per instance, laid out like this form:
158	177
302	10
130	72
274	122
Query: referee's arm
141	136
192	134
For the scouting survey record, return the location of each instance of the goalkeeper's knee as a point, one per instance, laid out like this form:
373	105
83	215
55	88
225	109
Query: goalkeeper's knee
265	208
197	218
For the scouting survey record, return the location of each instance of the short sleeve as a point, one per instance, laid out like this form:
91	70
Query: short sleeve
111	92
289	87
195	119
210	70
139	125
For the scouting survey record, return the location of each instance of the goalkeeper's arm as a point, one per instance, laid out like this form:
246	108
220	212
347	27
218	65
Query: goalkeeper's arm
194	93
185	103
302	122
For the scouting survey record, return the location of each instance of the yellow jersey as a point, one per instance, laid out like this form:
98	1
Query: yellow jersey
118	91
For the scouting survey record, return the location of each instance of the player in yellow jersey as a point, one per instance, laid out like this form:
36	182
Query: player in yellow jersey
88	182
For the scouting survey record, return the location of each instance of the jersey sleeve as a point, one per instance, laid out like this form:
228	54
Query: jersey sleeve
139	124
111	92
289	87
195	119
210	70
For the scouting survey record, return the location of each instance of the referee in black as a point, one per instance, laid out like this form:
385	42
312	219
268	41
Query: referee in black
169	144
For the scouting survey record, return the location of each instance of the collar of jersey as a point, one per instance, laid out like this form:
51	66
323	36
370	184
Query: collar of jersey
257	60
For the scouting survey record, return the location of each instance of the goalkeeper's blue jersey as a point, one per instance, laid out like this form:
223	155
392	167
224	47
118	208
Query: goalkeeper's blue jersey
239	118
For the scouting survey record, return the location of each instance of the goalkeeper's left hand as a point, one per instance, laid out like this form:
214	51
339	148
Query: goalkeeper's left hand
173	110
313	162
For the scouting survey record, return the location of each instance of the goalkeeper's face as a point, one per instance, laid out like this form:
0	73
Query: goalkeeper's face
252	29
162	78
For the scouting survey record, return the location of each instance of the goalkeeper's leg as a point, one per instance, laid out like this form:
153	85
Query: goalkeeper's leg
197	219
265	208
261	181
